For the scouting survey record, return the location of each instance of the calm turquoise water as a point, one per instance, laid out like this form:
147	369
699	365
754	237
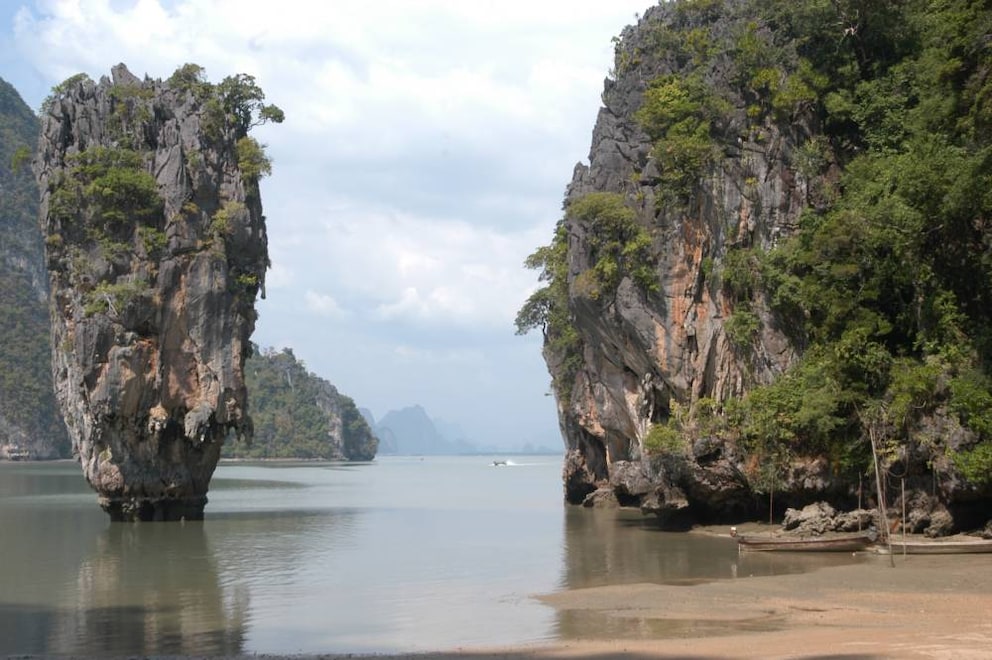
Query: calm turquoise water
401	554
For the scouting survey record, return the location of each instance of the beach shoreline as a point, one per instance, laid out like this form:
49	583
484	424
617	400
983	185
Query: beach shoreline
926	607
934	607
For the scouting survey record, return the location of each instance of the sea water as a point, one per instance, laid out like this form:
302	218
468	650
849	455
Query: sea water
400	554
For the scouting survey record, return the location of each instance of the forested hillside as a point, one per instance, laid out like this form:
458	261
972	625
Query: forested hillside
296	414
30	427
781	249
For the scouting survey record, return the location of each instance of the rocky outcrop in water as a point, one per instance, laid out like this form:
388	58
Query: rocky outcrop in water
156	249
721	323
30	425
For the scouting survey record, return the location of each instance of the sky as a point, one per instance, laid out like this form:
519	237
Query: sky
425	154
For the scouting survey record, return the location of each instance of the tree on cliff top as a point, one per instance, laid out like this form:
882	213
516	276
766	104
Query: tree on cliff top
238	97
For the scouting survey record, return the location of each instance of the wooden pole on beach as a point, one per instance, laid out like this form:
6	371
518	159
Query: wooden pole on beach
883	523
903	480
771	502
859	501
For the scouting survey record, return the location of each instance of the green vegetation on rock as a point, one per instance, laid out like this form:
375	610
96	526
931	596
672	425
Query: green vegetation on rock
678	114
252	160
621	248
112	184
665	438
547	309
890	284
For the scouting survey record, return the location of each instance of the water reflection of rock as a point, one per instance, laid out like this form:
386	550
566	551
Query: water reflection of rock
610	547
620	547
151	589
617	547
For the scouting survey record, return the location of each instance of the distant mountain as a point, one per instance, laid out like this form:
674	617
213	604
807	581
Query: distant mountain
452	432
411	431
30	424
543	450
297	414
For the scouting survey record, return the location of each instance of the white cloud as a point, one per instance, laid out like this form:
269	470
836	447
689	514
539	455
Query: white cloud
423	270
324	305
432	357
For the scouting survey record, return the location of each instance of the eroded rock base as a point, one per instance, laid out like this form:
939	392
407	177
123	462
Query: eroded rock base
134	509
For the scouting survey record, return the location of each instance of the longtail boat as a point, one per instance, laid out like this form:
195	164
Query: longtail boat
938	547
838	543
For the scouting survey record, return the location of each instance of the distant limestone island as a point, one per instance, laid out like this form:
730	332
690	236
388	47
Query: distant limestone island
412	432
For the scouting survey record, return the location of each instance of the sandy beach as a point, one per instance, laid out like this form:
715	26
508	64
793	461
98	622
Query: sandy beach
937	607
925	607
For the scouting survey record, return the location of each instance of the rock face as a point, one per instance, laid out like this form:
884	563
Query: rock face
30	425
642	353
351	437
156	249
710	151
297	414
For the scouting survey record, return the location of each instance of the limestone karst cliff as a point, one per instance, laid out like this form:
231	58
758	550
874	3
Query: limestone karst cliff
156	248
779	250
297	414
30	425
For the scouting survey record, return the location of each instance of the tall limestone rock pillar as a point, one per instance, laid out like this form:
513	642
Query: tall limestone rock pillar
156	249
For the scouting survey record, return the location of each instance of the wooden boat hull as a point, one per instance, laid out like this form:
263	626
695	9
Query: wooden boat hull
937	547
829	544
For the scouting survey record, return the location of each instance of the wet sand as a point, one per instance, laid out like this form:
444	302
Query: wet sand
936	607
925	607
